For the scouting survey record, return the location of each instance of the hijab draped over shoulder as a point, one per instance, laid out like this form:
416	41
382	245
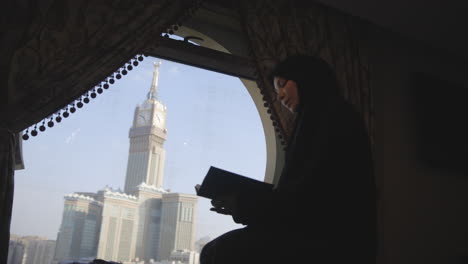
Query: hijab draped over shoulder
328	167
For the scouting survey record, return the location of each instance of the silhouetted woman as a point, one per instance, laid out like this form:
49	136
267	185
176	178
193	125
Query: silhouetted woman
323	207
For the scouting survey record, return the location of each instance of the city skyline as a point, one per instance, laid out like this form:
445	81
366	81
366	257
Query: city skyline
214	113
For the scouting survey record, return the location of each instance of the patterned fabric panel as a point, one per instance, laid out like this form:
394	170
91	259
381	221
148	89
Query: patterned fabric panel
281	28
69	46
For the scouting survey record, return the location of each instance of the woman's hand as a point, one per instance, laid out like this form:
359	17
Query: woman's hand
224	205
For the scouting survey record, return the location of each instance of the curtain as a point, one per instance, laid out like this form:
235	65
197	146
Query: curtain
281	28
58	49
54	51
7	163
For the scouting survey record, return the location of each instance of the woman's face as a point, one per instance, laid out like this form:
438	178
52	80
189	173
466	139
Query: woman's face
287	92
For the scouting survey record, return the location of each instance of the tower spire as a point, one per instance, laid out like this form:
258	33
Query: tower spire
153	93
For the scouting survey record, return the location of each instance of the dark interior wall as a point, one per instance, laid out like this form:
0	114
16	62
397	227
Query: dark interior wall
419	151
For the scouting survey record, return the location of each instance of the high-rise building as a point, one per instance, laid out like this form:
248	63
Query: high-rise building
30	250
147	136
149	222
117	236
145	221
40	251
81	221
16	250
178	223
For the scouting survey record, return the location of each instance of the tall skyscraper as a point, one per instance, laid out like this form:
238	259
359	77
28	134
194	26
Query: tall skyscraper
16	250
40	251
144	221
149	223
147	136
30	250
117	236
81	221
178	223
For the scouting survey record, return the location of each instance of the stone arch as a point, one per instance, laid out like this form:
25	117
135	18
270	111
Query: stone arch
223	41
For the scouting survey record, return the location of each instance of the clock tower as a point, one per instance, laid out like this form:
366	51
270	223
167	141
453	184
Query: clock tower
147	136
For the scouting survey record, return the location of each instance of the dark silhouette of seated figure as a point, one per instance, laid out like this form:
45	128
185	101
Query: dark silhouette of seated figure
323	208
101	261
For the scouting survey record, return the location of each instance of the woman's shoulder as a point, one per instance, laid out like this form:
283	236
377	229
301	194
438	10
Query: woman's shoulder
336	115
337	108
347	112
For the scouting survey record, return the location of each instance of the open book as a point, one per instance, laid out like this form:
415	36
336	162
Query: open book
218	182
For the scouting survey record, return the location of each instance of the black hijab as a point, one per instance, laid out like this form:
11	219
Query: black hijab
318	95
315	79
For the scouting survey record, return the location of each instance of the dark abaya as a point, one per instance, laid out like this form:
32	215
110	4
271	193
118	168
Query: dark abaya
323	208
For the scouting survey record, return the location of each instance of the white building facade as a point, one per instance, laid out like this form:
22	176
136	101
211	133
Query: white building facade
143	222
117	234
81	222
178	223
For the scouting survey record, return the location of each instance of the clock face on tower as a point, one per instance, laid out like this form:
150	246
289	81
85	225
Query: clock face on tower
159	120
143	118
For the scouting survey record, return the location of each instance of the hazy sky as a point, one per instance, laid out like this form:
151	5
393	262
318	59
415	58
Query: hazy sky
211	120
